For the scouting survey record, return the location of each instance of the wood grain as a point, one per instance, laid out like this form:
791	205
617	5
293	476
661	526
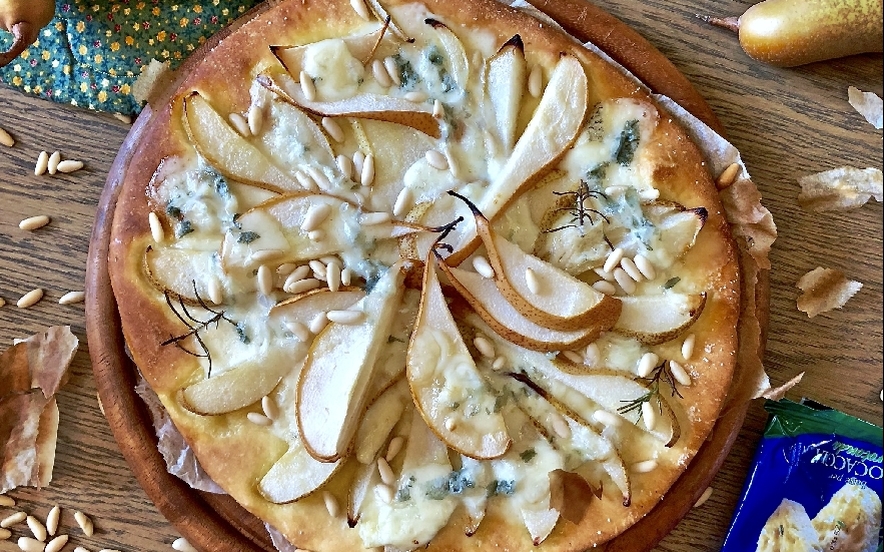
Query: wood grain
786	122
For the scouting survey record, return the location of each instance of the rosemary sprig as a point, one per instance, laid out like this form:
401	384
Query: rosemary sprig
660	373
580	212
194	325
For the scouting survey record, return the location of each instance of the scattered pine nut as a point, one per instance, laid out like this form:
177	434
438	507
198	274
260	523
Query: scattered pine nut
484	346
625	281
629	266
319	177
416	96
450	424
255	119
394	448
81	549
42	164
606	418
307	86
33	223
687	347
85	523
483	267
646	364
259	419
108	550
645	267
384	492
264	255
56	544
498	363
727	176
54	160
373	219
5	534
156	228
561	427
679	373
69	166
299	330
330	504
345	164
6	501
72	297
438	109
404	202
703	497
27	544
649	416
347	317
358	162
52	519
346	276
30	298
216	291
392	70
386	472
13	519
265	280
603	274
6	139
367	173
333	129
646	466
333	276
315	216
3	302
37	528
604	287
532	281
591	353
316	235
306	181
535	82
380	74
318	323
613	260
182	545
296	275
437	160
269	407
240	124
573	356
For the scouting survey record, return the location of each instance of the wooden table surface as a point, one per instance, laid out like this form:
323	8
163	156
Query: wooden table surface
786	122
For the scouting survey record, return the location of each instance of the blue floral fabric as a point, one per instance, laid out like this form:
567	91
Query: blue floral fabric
92	51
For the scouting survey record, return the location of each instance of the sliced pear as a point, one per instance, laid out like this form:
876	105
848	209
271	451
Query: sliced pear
304	306
235	388
292	57
364	482
678	227
448	390
549	134
474	497
295	475
458	63
332	386
227	151
542	292
655	319
378	421
491	305
184	273
369	106
506	78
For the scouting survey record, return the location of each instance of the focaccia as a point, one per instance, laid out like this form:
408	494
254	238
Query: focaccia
412	275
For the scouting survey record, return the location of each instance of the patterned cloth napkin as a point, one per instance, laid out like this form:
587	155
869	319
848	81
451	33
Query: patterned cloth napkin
92	51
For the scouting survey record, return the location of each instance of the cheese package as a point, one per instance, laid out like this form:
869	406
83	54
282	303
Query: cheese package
815	484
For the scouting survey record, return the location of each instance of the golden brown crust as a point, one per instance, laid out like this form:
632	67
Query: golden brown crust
236	453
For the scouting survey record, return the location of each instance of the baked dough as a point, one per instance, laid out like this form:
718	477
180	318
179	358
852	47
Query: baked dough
851	521
789	529
218	209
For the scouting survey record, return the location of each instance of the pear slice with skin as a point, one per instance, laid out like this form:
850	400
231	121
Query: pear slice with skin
506	78
559	301
183	273
227	151
331	392
304	306
368	106
292	57
547	138
295	475
364	482
474	498
381	415
486	298
458	63
447	387
236	388
656	319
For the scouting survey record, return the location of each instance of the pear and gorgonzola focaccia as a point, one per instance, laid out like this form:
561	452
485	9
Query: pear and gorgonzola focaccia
410	275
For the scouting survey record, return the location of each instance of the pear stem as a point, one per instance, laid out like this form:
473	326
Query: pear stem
729	23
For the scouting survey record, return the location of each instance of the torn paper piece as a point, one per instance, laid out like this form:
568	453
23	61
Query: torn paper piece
777	393
868	104
840	189
825	289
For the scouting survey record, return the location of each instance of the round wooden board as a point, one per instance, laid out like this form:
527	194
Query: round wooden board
215	522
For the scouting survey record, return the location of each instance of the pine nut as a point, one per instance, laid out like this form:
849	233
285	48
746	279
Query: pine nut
386	472
573	356
532	281
535	81
361	9
358	162
606	418
6	501
628	265
367	174
318	268
315	216
437	160
592	353
560	427
240	124
37	528
613	260
483	267
646	364
646	466
299	330
373	219
484	346
298	274
33	223
259	419
255	119
72	297
54	160
182	545
345	164
13	519
687	347
6	139
450	424
264	255
67	166
380	74
404	202
85	523
438	109
392	70
316	235
498	363
27	544
81	549
306	181
157	232
649	416
416	97
348	317
2	303
679	373
346	276
30	298
318	323
384	492
645	266
265	280
333	276
42	164
728	176
394	448
626	283
333	129
319	177
603	274
331	504
56	544
307	86
303	285
604	287
5	534
703	497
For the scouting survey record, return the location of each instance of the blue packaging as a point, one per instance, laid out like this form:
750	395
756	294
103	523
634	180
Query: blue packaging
815	484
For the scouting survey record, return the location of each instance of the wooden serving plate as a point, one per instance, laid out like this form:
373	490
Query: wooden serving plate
214	522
